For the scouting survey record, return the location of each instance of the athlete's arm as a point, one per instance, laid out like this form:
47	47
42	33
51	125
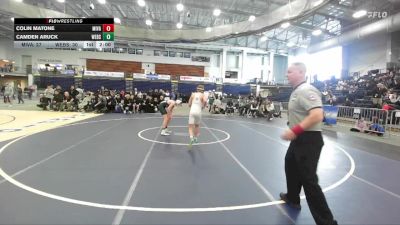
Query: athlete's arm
190	100
171	106
203	101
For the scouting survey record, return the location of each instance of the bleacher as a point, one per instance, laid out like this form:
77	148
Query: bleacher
365	102
281	97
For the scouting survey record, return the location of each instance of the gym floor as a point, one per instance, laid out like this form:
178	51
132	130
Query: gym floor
117	169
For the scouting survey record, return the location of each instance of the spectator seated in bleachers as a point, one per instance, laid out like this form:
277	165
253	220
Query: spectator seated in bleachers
229	109
375	128
57	100
217	107
394	100
149	106
267	109
242	106
330	98
111	102
68	103
81	94
128	104
43	102
378	94
253	109
278	110
360	126
85	104
348	102
140	103
118	104
101	104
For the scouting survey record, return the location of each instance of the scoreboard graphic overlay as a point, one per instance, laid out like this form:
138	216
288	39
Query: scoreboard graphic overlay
64	32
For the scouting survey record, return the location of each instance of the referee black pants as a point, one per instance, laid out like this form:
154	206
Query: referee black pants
301	163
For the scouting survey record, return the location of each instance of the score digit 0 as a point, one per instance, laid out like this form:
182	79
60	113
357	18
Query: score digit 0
108	36
108	27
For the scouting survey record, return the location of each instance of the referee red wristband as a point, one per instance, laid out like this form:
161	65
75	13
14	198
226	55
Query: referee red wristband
297	129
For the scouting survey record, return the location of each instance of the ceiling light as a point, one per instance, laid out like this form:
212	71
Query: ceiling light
360	14
5	60
317	3
141	3
102	1
117	20
208	29
217	12
252	18
149	22
179	7
18	0
317	32
236	32
285	25
290	44
12	19
263	38
62	1
179	25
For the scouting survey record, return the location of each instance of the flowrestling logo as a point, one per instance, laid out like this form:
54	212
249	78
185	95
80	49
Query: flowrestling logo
377	15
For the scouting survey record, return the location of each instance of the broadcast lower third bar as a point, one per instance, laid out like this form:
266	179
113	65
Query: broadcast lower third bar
63	44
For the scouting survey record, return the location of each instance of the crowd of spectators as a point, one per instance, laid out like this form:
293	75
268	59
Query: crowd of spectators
369	91
102	100
106	101
250	106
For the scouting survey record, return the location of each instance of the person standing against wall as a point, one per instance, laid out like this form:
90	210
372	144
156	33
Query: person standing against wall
305	117
20	93
8	92
211	98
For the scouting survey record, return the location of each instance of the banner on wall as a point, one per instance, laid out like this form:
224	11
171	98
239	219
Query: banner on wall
158	77
104	74
196	79
208	79
230	80
164	77
139	76
151	76
330	114
189	78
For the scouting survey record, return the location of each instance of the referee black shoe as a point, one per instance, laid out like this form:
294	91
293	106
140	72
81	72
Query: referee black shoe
286	200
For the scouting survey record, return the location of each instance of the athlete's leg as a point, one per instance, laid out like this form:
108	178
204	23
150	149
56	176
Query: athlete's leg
165	121
196	130
191	130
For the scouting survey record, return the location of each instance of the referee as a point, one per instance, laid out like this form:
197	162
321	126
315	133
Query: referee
305	115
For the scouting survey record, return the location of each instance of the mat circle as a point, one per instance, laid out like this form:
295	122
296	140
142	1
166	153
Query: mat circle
140	135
